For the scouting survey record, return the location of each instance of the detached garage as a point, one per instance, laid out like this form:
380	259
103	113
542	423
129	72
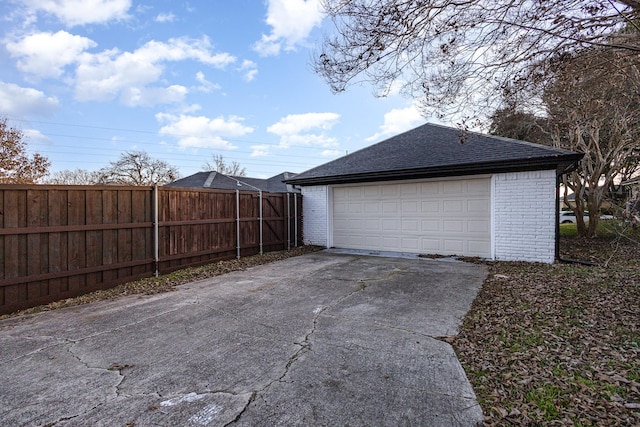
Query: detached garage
435	190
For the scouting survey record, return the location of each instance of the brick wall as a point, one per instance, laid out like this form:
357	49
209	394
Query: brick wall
315	211
524	216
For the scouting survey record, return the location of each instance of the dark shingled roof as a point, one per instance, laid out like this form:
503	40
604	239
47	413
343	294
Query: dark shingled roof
220	181
431	151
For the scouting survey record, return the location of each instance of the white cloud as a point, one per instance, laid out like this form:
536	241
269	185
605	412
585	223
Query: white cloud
112	73
331	153
261	150
150	96
81	12
35	135
305	130
291	22
201	131
397	121
19	101
205	85
165	17
250	70
46	54
296	123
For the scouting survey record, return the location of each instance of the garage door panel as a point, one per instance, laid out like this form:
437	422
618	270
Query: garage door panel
410	190
430	225
410	244
478	206
430	246
391	243
479	187
453	206
453	226
478	248
409	226
390	191
429	188
453	187
389	207
454	246
439	217
390	225
372	225
430	207
371	191
409	206
478	226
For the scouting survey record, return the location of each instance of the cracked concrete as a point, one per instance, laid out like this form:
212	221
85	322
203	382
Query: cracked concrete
322	339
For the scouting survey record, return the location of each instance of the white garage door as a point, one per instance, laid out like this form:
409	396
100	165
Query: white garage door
430	217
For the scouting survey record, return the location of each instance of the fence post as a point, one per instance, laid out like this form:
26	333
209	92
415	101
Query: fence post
238	224
156	234
288	222
260	213
295	214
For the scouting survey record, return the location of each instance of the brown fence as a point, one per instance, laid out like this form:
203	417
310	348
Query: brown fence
58	242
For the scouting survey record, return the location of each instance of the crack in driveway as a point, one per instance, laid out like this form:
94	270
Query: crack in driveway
305	346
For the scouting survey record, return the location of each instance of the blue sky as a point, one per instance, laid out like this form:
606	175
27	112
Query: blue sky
89	79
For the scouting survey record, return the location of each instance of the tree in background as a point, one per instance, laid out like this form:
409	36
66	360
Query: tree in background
219	164
591	101
457	56
74	177
16	167
593	105
138	168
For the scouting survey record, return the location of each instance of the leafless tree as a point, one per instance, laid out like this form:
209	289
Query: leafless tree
458	56
138	168
219	164
16	166
74	177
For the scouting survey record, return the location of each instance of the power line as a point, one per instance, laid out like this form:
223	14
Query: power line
155	133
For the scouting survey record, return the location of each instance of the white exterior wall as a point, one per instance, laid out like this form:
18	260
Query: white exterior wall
315	208
524	216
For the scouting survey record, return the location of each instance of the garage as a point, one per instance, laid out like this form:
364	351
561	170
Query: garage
449	217
438	190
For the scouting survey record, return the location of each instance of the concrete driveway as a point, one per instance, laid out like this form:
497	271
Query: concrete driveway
322	339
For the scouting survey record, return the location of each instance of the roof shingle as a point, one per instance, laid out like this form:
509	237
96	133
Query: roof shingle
432	151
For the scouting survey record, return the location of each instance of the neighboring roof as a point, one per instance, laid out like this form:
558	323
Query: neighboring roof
217	180
432	151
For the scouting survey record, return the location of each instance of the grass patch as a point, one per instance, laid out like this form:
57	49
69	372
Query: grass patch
606	228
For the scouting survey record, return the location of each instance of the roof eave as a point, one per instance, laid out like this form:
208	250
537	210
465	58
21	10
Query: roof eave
443	171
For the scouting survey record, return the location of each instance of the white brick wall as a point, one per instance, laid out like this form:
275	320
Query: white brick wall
315	206
524	210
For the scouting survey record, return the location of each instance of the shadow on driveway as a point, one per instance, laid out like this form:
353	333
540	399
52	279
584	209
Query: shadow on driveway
320	339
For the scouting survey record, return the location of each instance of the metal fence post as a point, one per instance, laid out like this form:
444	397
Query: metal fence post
288	221
295	213
238	224
260	213
156	234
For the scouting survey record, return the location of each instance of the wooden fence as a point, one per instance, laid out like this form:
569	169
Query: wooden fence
58	242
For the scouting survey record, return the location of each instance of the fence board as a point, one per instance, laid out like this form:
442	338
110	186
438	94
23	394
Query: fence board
58	242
